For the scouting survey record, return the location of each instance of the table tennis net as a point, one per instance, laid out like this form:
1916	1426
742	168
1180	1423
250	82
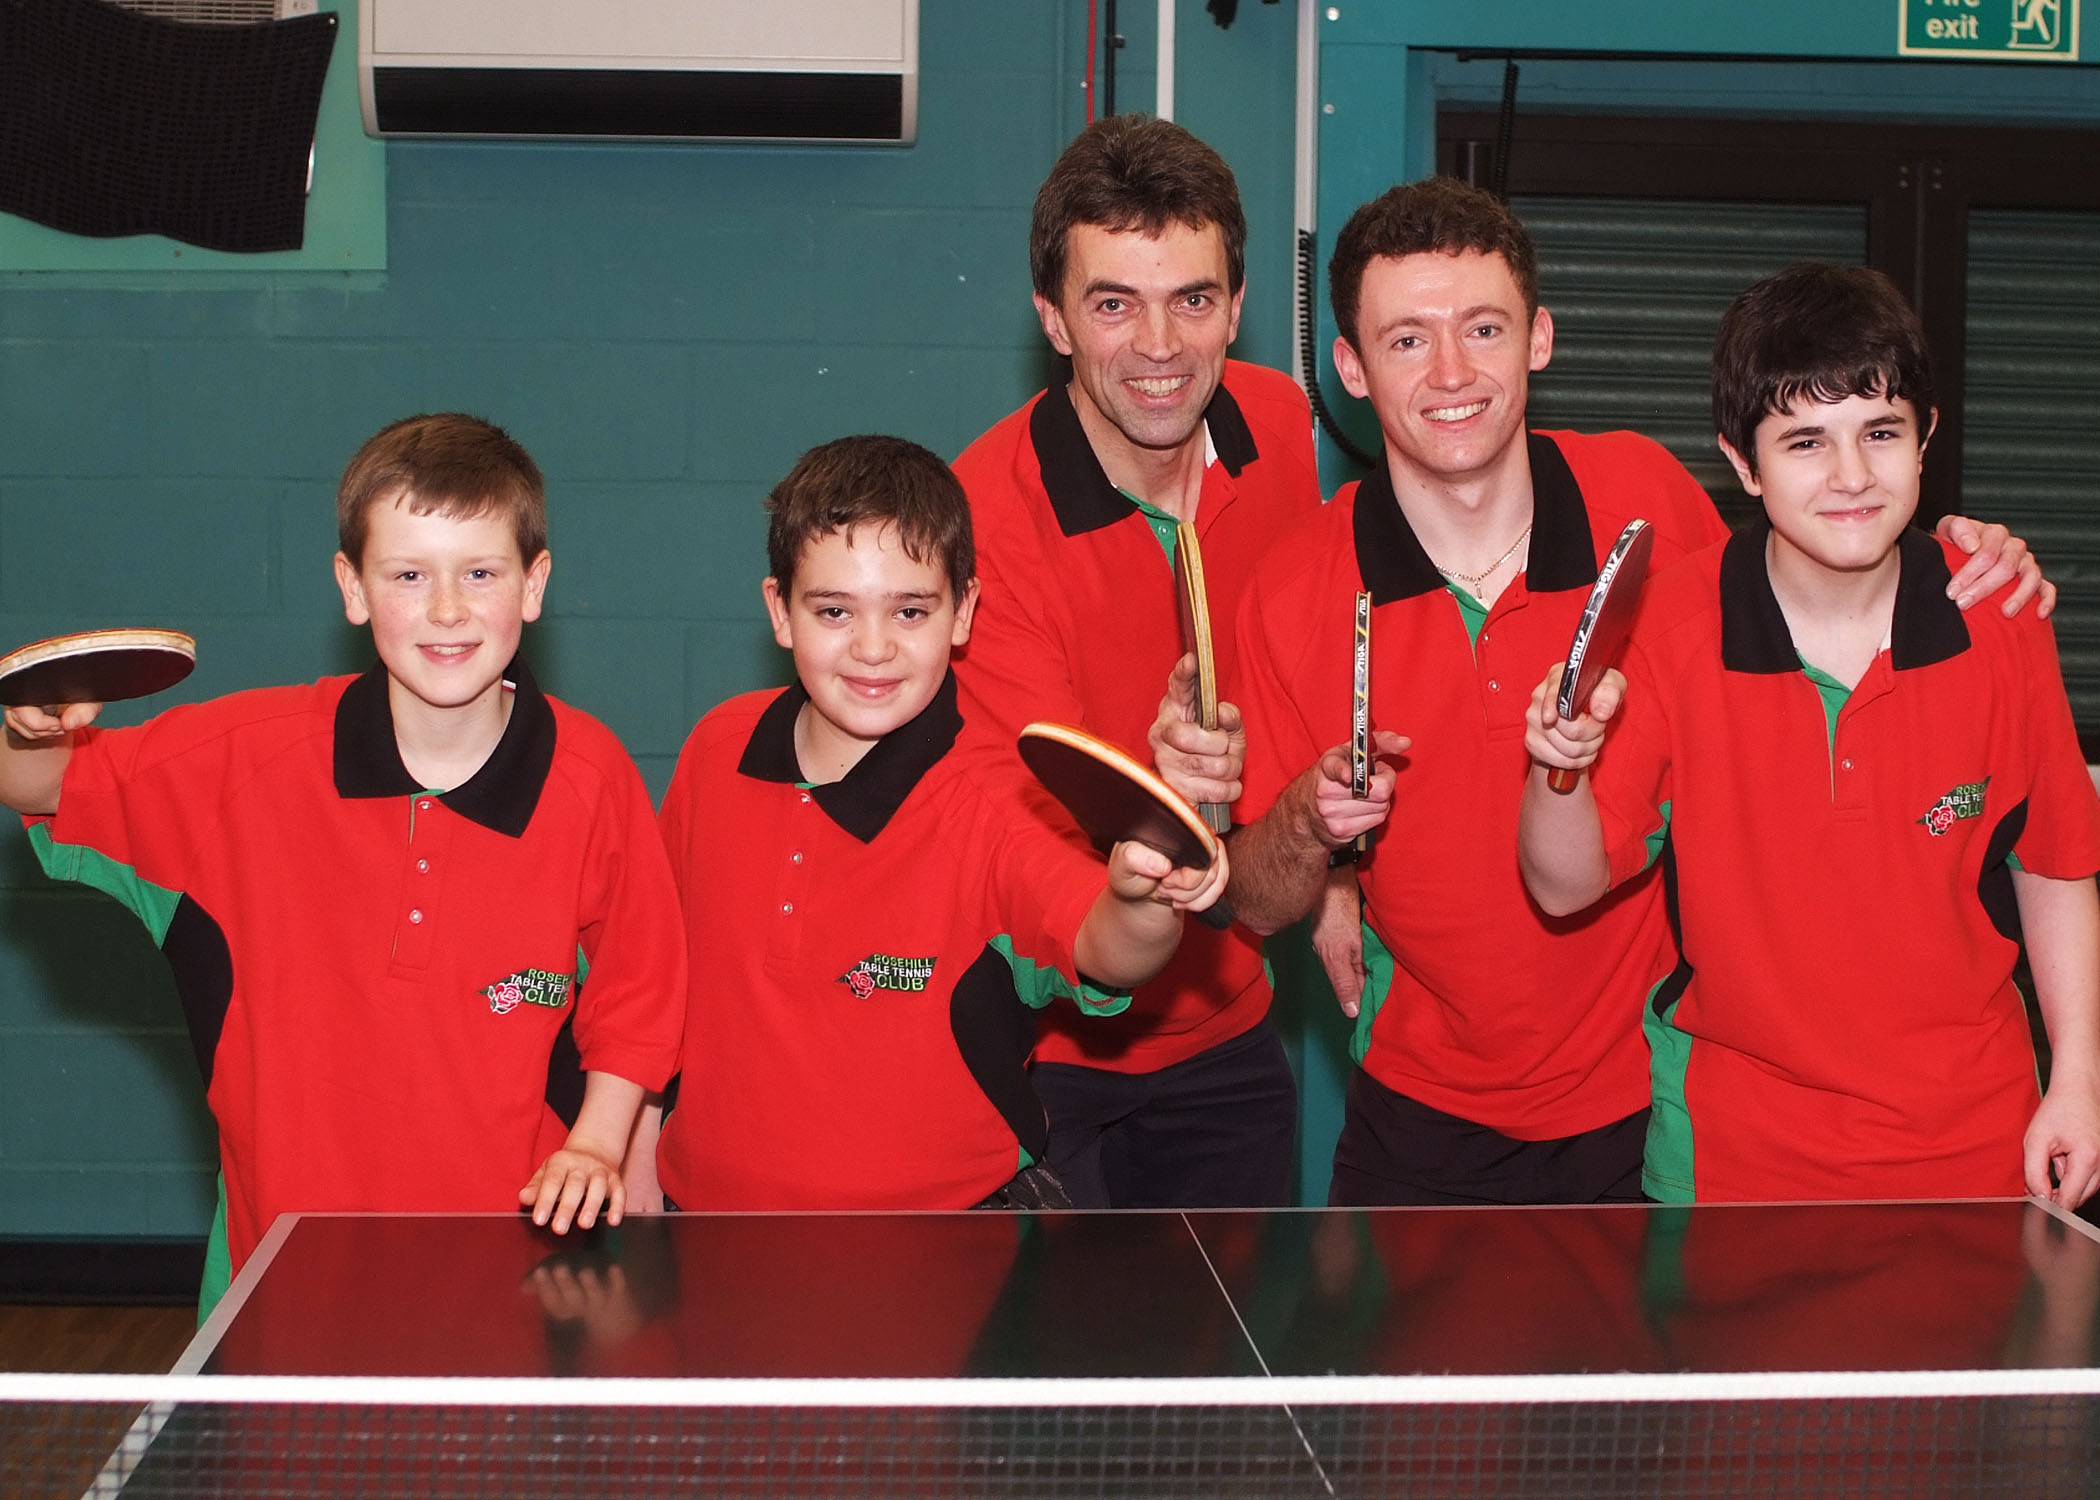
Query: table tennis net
537	1440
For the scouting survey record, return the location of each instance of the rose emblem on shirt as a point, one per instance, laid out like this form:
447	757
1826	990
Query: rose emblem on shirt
888	971
1954	805
543	988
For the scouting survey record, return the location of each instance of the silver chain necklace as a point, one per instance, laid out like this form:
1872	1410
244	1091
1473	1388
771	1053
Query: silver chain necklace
1472	580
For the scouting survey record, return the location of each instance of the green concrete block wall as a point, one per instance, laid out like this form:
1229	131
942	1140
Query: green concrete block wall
665	327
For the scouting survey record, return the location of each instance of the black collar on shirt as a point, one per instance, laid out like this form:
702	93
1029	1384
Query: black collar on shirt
500	796
865	799
1080	491
1393	564
1926	626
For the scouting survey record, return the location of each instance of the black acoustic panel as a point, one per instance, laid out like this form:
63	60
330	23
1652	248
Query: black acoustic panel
115	123
638	103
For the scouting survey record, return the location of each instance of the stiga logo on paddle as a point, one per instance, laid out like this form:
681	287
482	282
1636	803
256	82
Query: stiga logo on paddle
1965	801
530	987
886	971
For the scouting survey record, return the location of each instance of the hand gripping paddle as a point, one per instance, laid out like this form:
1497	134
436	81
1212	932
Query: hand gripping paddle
1195	637
1113	798
95	666
1600	635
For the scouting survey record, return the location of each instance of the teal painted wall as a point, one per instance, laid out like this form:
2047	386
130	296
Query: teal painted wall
665	327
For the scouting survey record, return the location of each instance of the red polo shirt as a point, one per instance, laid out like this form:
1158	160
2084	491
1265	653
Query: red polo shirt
1844	1022
864	956
373	975
1079	623
1493	1012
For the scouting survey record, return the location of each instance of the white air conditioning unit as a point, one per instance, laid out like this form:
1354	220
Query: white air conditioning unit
765	70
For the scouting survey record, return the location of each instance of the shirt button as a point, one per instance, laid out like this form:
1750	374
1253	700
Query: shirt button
415	916
1846	763
422	867
787	908
424	805
805	797
1494	686
796	857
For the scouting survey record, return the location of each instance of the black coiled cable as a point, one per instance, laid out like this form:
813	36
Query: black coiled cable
1307	283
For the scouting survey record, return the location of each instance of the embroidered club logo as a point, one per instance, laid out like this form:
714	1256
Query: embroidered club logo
540	987
886	971
1963	802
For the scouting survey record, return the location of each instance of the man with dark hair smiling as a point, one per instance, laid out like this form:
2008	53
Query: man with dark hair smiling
1137	252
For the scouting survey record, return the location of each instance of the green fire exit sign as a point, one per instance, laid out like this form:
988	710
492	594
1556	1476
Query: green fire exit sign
2036	30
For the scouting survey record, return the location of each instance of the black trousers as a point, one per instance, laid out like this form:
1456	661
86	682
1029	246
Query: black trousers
1397	1150
1218	1130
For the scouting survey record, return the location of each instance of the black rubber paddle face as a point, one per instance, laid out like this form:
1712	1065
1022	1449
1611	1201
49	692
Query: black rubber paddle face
1095	783
95	667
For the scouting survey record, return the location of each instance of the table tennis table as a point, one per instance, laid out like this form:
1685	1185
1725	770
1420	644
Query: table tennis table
1902	1349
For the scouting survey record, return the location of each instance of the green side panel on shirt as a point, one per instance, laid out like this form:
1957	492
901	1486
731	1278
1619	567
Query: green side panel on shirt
1666	1171
152	904
1659	838
1471	610
1161	523
583	966
1378	983
1039	984
218	1261
1027	1161
1835	696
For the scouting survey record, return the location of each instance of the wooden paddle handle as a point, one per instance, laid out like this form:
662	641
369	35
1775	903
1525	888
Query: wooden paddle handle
1563	781
1217	915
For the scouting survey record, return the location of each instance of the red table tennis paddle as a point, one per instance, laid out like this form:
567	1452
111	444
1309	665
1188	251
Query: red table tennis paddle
1195	638
1114	798
95	666
1600	635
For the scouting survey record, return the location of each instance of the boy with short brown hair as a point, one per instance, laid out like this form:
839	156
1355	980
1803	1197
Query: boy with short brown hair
869	925
380	895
